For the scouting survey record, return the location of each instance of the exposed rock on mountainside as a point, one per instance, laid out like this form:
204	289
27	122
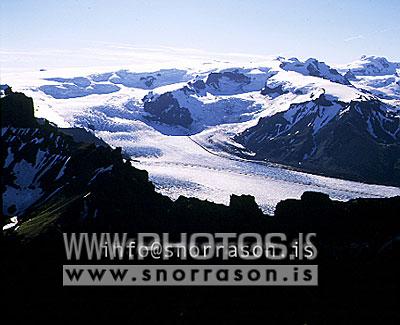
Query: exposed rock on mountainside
17	110
358	140
166	109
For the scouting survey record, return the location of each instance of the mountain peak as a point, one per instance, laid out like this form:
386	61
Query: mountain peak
315	68
373	66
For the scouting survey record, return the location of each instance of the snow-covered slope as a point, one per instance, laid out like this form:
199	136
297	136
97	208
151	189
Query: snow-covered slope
313	67
372	66
376	75
358	140
32	168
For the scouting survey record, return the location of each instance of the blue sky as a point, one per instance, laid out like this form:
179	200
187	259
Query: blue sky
333	31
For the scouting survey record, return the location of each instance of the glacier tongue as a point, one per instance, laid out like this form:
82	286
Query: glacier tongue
191	166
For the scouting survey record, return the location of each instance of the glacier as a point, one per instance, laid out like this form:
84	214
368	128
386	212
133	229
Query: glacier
223	98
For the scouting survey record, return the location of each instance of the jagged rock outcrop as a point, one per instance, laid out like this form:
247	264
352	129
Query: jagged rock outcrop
17	110
166	109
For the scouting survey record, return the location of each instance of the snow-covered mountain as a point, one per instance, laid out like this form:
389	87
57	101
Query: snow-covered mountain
184	122
376	75
372	66
313	67
359	139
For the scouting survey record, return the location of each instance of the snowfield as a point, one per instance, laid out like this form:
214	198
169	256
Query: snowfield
223	98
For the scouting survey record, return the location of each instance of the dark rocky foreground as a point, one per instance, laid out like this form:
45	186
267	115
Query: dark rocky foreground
358	243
